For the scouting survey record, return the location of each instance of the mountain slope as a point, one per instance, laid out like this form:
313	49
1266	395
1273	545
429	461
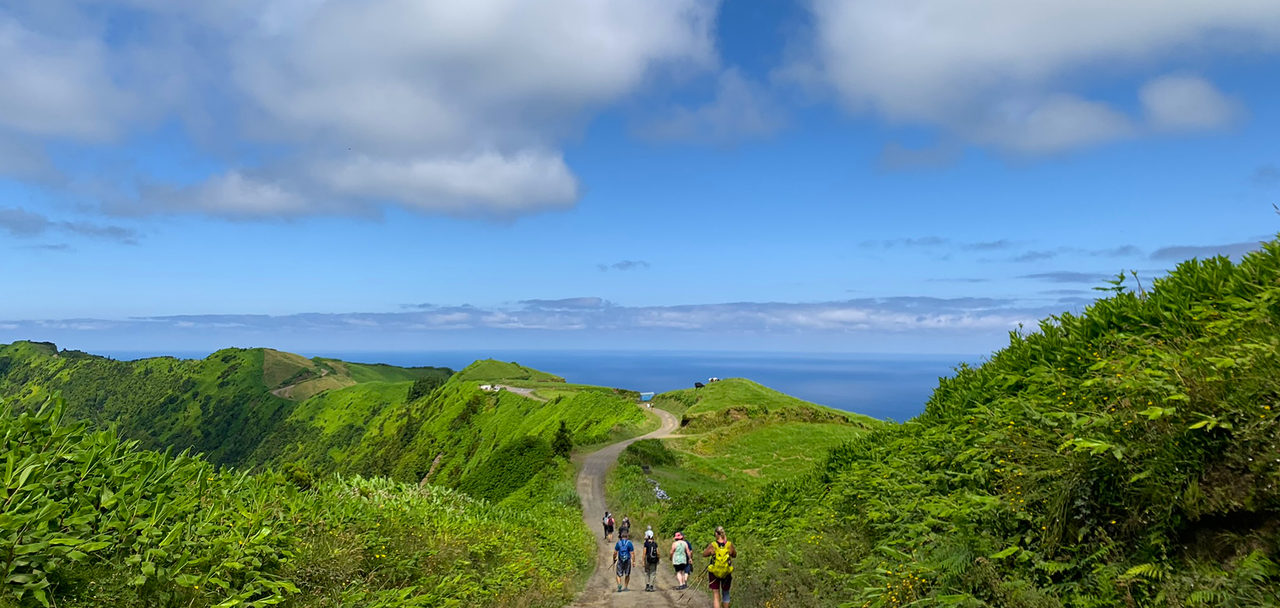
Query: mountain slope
223	406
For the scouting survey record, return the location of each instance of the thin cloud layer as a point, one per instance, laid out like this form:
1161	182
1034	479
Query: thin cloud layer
1183	252
19	222
899	314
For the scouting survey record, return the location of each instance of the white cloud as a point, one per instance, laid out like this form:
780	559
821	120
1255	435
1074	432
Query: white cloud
489	184
1186	103
58	87
438	107
232	194
742	109
1060	122
945	62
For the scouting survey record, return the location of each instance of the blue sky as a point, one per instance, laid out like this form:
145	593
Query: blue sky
870	176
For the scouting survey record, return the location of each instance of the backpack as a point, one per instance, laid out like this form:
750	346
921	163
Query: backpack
721	563
651	551
609	522
624	550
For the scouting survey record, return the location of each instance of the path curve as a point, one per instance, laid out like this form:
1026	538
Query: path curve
600	588
523	392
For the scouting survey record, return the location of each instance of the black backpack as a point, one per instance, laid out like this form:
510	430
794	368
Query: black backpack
651	551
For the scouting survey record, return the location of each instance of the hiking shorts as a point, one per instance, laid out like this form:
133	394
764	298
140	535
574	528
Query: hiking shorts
624	568
682	568
722	584
608	530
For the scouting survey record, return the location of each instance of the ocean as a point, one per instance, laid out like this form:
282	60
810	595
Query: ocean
883	386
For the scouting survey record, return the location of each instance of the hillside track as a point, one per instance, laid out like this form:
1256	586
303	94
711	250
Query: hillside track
600	589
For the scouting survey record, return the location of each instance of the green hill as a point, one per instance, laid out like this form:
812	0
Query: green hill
491	370
735	399
1126	456
223	406
370	429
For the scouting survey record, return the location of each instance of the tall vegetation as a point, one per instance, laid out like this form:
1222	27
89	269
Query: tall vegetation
89	520
1126	456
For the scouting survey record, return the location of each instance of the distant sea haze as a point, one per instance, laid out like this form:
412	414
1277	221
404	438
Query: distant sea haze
884	386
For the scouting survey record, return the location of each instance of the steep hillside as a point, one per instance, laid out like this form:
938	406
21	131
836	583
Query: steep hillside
223	406
92	521
447	433
1127	456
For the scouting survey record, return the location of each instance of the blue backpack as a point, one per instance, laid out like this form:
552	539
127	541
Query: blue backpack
625	550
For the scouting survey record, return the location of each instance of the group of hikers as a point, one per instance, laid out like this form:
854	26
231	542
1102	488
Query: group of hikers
719	570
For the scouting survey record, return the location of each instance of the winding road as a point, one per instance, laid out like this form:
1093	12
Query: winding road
600	589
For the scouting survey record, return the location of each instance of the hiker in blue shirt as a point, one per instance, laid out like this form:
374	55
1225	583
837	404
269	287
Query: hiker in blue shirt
622	554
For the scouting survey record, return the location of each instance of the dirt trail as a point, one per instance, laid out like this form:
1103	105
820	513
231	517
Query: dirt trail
524	392
600	590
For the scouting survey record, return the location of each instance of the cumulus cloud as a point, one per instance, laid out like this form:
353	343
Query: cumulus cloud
58	86
950	63
481	184
742	109
454	108
1186	103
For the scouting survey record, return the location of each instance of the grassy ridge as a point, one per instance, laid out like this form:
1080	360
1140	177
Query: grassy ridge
500	371
1125	456
88	520
736	399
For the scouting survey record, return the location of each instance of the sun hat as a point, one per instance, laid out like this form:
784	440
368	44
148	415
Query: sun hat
648	533
679	535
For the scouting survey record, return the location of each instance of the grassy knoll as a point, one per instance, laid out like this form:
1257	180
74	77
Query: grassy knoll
1126	456
491	370
736	399
92	521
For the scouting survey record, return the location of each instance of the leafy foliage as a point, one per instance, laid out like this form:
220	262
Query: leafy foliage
562	445
1125	456
508	469
89	520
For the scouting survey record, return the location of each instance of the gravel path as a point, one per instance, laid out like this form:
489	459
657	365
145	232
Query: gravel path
600	590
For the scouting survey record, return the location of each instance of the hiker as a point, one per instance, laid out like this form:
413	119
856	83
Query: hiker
720	572
608	526
681	553
622	559
650	561
625	527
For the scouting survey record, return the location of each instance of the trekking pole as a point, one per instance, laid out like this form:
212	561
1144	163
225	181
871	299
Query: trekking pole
696	583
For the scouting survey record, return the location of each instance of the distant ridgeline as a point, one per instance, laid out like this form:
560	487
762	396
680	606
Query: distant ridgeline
261	407
1126	456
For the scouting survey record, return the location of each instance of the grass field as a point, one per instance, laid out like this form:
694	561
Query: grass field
758	456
